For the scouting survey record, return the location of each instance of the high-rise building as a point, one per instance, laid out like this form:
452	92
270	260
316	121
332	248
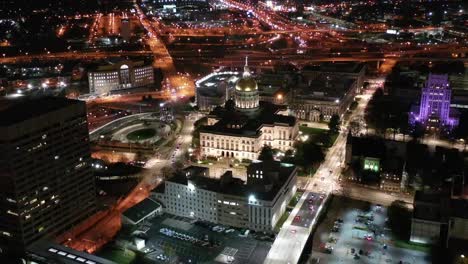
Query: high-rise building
434	108
46	183
125	30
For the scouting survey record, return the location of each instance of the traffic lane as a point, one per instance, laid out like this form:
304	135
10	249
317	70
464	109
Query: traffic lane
308	210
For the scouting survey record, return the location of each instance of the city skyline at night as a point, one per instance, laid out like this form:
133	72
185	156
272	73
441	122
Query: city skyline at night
232	131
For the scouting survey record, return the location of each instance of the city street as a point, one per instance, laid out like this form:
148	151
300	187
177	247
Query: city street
290	241
325	181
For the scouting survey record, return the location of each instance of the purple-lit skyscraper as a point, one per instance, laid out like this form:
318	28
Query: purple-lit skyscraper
434	108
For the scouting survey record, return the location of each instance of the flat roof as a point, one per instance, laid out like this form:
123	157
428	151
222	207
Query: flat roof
326	87
14	110
209	85
47	252
249	125
459	208
141	210
235	186
344	67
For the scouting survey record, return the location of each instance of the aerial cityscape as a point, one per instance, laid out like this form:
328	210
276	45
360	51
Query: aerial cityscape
233	131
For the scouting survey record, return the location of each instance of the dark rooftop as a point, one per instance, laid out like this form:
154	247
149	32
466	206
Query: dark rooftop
46	252
141	210
235	186
431	205
346	67
267	115
367	147
459	208
325	87
14	110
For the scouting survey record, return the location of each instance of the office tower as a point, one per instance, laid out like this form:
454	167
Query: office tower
434	108
46	183
125	29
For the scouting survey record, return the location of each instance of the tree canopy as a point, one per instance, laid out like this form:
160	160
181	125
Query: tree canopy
308	154
399	219
266	154
334	124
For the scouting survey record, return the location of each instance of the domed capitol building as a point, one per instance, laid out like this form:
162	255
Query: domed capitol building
241	128
246	93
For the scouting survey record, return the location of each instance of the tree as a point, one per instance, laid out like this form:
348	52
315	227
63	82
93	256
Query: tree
167	172
353	105
375	111
266	154
417	131
308	154
437	17
399	219
355	127
324	139
178	165
230	105
334	124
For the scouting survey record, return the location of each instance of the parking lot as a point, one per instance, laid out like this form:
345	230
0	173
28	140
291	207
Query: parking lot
193	242
356	232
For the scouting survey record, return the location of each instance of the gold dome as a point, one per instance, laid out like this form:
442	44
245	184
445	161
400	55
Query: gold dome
246	84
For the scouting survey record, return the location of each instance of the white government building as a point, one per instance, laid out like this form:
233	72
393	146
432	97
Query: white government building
124	75
257	204
241	131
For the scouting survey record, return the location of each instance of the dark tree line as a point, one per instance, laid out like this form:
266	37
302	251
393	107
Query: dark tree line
384	112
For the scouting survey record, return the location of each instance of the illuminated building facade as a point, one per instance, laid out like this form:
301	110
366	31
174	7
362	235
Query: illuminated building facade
215	89
246	95
46	183
323	97
125	29
434	108
243	131
120	76
256	204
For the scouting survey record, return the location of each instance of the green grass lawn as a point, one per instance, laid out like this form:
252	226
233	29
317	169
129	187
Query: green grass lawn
317	135
412	246
312	130
205	161
141	134
361	228
306	173
118	255
295	199
281	221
